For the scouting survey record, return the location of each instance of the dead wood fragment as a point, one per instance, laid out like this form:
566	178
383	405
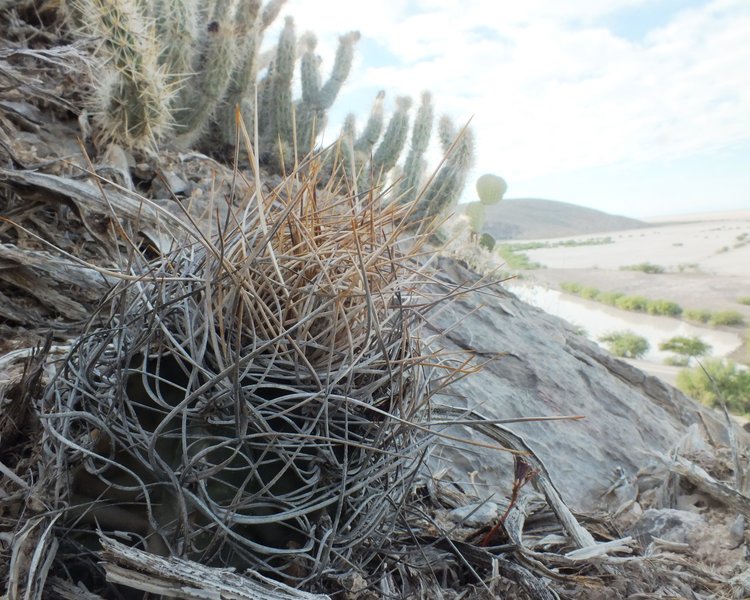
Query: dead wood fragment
158	223
705	483
177	578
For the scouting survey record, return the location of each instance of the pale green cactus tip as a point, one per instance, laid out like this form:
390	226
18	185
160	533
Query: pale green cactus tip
403	103
476	215
491	188
270	11
394	139
308	41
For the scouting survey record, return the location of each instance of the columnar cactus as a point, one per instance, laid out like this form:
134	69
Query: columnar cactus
177	24
394	139
207	87
446	187
179	64
373	128
276	125
133	97
420	138
317	97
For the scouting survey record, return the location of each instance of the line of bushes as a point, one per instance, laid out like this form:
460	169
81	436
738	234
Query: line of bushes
667	308
619	300
515	259
729	318
644	267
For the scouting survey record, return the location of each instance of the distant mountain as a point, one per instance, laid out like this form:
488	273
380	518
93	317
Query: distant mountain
533	218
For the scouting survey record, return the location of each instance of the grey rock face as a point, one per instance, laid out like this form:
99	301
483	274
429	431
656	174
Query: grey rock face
539	367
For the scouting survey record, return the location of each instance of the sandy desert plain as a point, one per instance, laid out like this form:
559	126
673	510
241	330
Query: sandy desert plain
706	265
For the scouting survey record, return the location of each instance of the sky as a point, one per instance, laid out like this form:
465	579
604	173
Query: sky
634	107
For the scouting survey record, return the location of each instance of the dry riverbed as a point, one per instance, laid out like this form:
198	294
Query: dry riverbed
706	265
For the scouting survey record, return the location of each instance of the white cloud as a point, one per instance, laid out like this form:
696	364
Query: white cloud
551	89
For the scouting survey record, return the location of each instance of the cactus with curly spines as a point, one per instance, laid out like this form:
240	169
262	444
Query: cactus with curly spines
420	139
445	189
133	97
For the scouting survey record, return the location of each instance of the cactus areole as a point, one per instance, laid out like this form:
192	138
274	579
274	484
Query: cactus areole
491	188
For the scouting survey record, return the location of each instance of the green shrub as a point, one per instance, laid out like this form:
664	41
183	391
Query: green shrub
677	361
589	293
717	380
487	242
609	297
637	303
587	242
688	267
700	315
644	267
516	260
744	300
626	344
571	287
664	307
727	317
686	348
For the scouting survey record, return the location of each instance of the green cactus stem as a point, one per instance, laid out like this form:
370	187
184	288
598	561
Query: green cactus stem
445	189
420	139
373	128
317	98
393	143
133	97
215	68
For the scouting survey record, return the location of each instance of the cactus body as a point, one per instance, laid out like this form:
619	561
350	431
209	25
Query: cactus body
133	98
394	139
491	188
476	214
420	139
448	184
373	128
217	61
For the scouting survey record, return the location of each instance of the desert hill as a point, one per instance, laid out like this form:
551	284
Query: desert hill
534	218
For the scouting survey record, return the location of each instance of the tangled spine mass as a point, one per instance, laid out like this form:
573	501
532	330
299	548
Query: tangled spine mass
252	401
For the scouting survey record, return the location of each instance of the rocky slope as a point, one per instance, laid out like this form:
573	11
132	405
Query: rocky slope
543	368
